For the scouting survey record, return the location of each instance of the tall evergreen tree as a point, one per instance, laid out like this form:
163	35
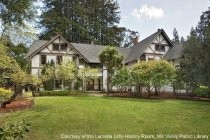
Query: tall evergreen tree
14	13
176	36
196	62
83	21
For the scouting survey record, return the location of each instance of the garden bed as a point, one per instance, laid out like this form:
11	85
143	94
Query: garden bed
17	105
162	96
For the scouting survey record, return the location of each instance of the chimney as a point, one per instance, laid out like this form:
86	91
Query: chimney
136	40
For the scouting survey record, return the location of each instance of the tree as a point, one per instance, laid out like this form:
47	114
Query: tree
112	60
176	36
83	21
17	52
15	13
66	72
196	57
86	73
13	76
152	74
191	64
122	78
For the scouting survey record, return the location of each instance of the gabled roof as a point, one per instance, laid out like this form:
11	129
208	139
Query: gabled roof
138	49
174	53
35	46
91	52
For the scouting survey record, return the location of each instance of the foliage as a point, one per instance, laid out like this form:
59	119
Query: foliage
5	94
16	18
66	71
7	65
58	93
86	73
196	56
15	12
122	78
14	131
153	74
202	91
112	60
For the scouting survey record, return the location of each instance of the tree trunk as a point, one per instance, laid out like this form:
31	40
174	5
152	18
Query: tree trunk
148	91
17	90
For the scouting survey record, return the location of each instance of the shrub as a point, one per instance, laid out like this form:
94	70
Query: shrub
59	93
5	94
14	131
202	91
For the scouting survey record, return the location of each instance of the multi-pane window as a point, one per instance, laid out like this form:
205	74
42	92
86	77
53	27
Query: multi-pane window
63	47
60	47
55	47
160	48
157	48
59	59
43	59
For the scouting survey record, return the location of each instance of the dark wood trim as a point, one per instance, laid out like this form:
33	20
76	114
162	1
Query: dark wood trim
46	53
159	44
154	53
151	49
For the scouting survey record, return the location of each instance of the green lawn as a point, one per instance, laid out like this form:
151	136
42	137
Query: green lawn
53	116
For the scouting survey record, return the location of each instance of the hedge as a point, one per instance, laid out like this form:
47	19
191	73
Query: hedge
60	93
202	91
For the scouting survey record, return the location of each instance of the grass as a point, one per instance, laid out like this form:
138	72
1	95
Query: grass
53	116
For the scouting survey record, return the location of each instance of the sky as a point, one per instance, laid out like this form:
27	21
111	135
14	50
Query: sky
146	16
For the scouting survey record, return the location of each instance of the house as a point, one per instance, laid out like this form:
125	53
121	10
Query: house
154	47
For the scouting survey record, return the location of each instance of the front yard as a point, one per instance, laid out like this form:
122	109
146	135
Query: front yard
56	117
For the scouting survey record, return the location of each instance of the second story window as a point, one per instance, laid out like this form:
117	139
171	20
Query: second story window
60	47
63	47
43	59
162	49
157	48
55	47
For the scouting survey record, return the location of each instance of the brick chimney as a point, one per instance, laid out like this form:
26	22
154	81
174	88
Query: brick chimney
136	40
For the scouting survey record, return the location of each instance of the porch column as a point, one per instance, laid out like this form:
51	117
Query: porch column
104	78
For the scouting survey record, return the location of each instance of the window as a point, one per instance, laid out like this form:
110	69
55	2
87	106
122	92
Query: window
143	58
58	84
59	59
64	47
74	58
55	47
162	49
157	48
150	59
43	59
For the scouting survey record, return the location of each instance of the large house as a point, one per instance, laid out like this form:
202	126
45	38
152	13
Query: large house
156	46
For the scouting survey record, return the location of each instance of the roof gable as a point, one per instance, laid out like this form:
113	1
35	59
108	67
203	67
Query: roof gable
138	49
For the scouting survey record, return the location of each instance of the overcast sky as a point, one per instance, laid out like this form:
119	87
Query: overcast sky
146	16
